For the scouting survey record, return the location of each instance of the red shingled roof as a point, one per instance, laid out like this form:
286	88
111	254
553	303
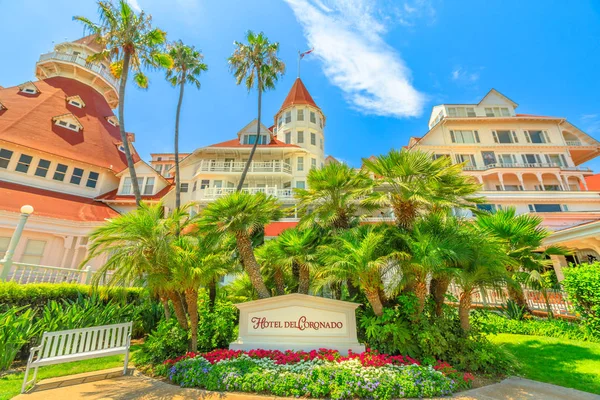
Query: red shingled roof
298	95
51	204
236	143
28	122
113	196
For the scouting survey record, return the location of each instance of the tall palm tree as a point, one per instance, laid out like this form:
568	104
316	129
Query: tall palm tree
199	261
256	64
187	66
241	214
139	246
485	265
334	196
416	182
363	255
268	256
296	247
130	43
524	236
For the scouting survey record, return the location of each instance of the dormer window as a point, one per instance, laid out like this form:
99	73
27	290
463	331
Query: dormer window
113	120
29	88
68	121
76	101
250	139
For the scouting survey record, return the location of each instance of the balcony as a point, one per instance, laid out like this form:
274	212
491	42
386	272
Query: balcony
96	68
574	143
260	167
214	193
523	165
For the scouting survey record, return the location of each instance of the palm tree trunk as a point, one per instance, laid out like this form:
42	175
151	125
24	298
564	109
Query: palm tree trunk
438	289
252	268
515	293
165	302
178	307
375	301
177	181
247	166
353	290
126	149
191	296
464	308
304	279
421	293
405	212
212	293
279	282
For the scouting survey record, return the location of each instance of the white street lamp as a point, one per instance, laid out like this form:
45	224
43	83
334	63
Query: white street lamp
6	262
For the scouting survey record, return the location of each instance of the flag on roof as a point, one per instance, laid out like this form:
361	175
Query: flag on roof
306	52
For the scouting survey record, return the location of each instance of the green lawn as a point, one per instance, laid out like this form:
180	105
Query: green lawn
10	385
563	362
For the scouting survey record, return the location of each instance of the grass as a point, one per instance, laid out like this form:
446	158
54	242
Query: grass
563	362
10	385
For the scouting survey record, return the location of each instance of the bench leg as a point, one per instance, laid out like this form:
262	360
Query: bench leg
126	362
35	375
25	378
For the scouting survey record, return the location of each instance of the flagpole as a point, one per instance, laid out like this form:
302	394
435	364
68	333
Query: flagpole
298	63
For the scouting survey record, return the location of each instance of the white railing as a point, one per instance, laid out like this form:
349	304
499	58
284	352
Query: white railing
238	166
535	299
25	273
75	59
214	193
574	143
524	165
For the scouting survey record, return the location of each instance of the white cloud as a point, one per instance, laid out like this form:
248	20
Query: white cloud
135	5
591	123
462	75
347	38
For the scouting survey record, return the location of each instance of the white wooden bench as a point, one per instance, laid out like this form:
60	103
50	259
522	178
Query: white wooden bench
79	344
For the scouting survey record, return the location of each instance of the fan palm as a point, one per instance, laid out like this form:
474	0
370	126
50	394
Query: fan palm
187	66
256	64
485	265
130	43
415	182
334	195
524	236
268	257
139	246
364	256
241	214
298	248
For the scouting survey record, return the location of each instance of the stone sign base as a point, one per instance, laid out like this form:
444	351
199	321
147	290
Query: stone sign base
298	322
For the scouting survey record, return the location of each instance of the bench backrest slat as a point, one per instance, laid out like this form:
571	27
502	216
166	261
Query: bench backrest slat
76	341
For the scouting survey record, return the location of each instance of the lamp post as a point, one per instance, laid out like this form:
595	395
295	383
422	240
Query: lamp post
6	262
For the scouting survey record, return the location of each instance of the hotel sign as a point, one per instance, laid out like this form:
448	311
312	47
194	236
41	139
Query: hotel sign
297	322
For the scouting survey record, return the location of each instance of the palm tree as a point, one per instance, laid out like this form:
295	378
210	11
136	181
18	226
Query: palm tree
241	214
334	195
199	261
187	66
364	256
416	182
524	236
485	265
268	257
256	64
296	247
139	246
130	43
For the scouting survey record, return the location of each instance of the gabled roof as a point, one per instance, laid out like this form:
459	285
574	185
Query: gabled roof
494	91
28	122
47	203
298	95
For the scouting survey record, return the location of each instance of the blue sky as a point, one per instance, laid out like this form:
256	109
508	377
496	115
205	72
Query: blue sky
377	69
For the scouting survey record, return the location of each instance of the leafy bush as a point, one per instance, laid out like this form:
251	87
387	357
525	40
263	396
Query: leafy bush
16	329
169	340
146	318
216	328
512	310
37	295
492	323
331	376
427	337
582	285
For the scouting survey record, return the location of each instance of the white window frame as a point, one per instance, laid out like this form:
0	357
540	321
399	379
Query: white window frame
313	139
455	133
300	114
27	252
300	137
66	124
300	163
147	192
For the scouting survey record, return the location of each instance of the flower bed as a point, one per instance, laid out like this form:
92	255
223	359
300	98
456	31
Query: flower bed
318	374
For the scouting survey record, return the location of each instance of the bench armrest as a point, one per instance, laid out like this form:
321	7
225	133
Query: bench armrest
33	351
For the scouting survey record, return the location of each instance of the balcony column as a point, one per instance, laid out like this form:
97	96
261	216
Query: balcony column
559	262
501	179
560	181
539	176
520	178
565	182
582	180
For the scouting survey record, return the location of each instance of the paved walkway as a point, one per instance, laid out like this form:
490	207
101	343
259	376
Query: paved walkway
110	384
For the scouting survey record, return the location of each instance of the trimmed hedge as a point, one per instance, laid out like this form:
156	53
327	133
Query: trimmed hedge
582	285
37	295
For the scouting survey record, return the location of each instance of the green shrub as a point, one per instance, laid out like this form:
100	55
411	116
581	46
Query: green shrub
490	322
216	328
582	285
168	341
146	317
427	337
37	295
16	329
